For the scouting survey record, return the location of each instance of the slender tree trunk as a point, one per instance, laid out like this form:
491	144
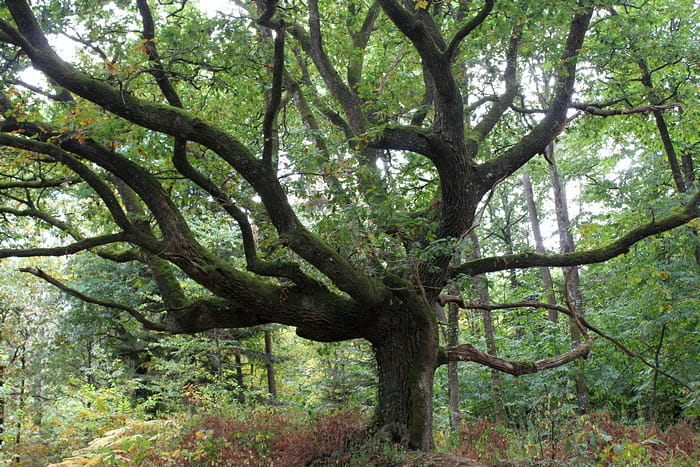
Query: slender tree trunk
2	384
240	393
688	171
452	369
652	404
679	174
269	366
547	281
22	397
2	407
481	287
572	288
219	361
451	336
90	373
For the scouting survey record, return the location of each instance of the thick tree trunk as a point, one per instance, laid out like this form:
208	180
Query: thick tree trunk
406	351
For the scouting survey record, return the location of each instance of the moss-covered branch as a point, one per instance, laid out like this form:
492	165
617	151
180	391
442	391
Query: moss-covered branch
468	353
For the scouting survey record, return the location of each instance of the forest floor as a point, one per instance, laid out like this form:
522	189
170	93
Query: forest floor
277	438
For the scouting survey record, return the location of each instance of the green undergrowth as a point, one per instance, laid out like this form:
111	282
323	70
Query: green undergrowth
282	437
253	437
591	440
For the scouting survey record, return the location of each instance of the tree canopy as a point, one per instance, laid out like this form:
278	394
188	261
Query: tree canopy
324	165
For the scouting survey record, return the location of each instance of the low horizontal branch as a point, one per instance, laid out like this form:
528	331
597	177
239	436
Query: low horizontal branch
468	353
145	322
580	321
596	255
65	250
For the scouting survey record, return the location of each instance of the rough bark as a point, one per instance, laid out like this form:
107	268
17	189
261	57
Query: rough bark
406	351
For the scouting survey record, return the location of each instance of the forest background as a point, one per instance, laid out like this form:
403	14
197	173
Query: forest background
142	246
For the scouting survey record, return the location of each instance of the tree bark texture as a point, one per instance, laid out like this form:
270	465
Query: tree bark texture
406	357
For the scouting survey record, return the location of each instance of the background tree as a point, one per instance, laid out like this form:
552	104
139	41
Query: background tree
342	215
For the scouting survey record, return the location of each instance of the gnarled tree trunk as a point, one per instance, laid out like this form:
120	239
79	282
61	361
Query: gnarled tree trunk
406	350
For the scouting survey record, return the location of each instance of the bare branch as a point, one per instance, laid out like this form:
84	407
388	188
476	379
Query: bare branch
468	353
468	28
600	110
580	321
145	322
595	110
597	255
39	183
65	250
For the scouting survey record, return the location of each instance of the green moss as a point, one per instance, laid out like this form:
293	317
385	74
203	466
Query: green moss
525	365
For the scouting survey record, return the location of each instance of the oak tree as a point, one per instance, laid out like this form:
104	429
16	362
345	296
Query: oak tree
317	165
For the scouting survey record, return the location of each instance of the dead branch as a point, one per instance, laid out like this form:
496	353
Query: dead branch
443	299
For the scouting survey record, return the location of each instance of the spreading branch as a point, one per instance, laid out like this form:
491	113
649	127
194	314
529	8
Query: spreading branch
40	183
145	322
502	103
468	353
312	43
81	245
595	110
179	123
468	28
596	255
580	321
555	119
602	111
274	101
158	71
